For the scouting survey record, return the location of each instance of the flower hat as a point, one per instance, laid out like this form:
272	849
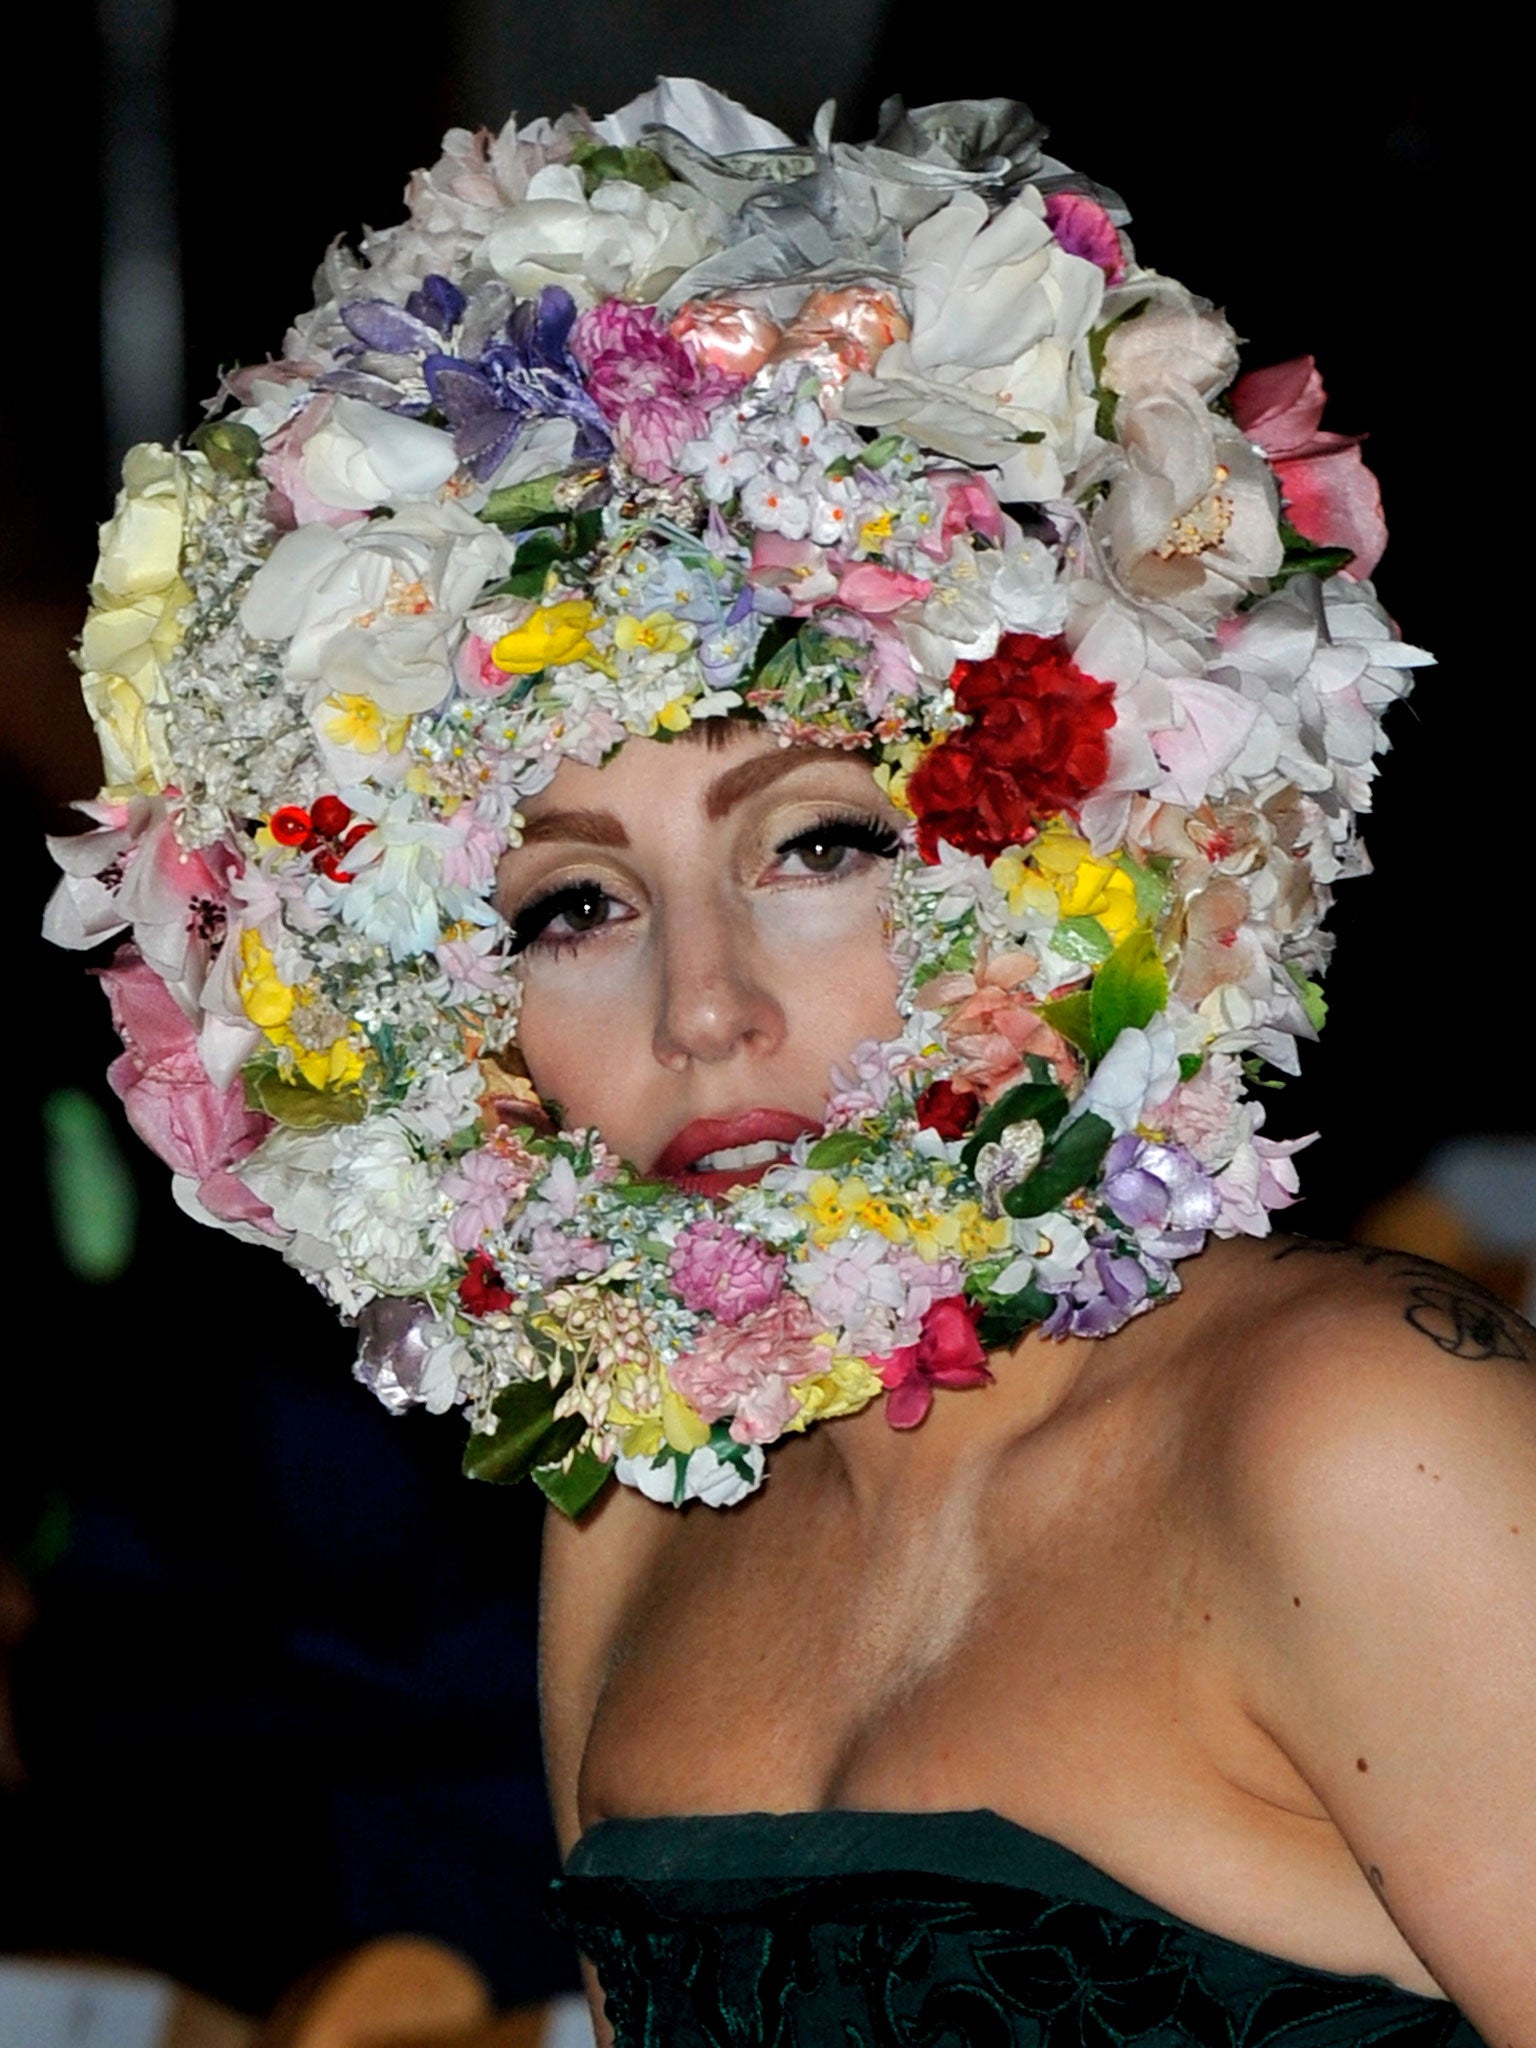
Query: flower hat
661	418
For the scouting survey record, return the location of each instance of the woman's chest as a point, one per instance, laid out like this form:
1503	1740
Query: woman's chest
941	1657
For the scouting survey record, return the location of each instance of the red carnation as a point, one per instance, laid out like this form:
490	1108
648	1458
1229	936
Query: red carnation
482	1289
1035	745
942	1108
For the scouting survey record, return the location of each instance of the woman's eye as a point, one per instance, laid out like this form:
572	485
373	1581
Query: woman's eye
833	847
566	915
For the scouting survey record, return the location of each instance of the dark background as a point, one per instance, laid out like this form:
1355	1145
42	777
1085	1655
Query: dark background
279	1695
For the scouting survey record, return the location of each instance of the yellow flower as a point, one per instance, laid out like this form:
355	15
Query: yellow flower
1025	889
271	1003
358	723
963	1230
838	1206
683	1426
874	533
674	715
848	1385
553	635
1084	886
659	633
897	770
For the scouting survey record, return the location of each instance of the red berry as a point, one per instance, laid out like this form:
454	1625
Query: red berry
331	816
290	826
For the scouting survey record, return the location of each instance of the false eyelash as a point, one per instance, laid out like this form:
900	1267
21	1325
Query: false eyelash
863	834
534	918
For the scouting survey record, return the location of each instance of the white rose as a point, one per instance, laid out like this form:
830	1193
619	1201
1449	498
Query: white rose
373	612
363	456
1000	313
622	242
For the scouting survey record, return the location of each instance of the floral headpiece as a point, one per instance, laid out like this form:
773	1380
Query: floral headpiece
662	418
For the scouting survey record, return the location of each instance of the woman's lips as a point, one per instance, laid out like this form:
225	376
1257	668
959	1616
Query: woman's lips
748	1130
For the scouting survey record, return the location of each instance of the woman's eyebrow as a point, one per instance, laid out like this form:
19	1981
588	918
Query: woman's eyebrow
748	777
591	828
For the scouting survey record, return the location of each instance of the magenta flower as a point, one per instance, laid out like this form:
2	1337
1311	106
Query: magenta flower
719	1272
650	390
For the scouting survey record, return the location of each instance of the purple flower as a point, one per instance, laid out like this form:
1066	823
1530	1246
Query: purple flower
531	375
1104	1294
1161	1192
721	1273
651	391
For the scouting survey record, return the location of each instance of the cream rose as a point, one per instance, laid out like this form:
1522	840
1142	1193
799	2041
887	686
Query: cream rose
134	625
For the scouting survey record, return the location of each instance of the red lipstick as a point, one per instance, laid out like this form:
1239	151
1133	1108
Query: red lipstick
707	1135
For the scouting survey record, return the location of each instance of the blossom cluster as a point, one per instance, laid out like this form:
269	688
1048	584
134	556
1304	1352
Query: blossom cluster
663	418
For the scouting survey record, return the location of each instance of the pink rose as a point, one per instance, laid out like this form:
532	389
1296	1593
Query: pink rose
1330	496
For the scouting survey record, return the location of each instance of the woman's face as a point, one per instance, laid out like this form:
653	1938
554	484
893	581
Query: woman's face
702	936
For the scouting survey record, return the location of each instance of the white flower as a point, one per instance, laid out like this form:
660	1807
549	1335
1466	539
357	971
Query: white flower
373	613
718	1482
622	242
386	1212
1140	1068
362	456
1000	314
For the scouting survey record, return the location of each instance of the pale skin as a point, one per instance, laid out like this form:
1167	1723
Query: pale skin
1239	1604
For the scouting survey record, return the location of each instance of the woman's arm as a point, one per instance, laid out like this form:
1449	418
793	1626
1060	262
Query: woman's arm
1385	1495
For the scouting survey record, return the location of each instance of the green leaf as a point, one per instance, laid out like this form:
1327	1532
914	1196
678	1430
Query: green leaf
600	161
1083	939
777	635
839	1148
1028	437
1304	557
1043	1101
526	1435
638	1191
1070	1164
881	449
575	1488
1190	1064
1151	885
1311	993
1006	1317
1128	990
229	446
1072	1016
292	1101
515	506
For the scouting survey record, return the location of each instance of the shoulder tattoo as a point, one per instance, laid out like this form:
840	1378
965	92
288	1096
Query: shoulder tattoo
1458	1316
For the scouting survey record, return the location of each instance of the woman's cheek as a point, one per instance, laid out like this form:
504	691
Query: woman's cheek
819	915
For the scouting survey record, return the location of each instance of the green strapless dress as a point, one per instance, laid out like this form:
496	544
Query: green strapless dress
933	1930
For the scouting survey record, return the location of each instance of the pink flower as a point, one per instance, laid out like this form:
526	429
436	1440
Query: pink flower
717	1271
1330	496
653	393
947	1354
292	502
1083	228
198	1129
967	504
484	1183
746	1371
873	590
992	1023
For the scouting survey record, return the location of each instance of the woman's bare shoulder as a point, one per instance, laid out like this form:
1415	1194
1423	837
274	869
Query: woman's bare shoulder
1370	1460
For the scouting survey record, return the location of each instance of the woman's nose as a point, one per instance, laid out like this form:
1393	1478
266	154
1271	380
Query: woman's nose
714	998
